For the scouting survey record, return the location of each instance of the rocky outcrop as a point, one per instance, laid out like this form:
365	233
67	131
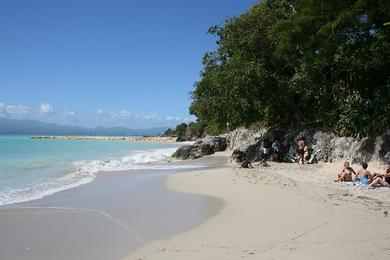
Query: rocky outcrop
237	156
242	138
250	140
202	147
185	152
325	146
330	147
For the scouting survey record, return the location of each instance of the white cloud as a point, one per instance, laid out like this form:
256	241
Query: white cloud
124	113
122	118
46	108
17	110
13	111
176	118
113	115
147	116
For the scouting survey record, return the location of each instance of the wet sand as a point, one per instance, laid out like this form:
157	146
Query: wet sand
105	219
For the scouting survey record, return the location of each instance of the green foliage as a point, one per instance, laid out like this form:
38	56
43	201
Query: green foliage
181	131
355	114
290	62
184	132
195	130
170	132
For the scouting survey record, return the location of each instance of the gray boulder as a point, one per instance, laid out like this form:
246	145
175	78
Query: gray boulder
242	138
237	156
250	141
185	152
215	143
330	147
202	147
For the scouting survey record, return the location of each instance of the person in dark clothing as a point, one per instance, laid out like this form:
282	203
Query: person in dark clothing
245	162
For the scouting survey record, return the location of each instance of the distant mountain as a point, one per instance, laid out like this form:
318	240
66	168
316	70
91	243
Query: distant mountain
33	127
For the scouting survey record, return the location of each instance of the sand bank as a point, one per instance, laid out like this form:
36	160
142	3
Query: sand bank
111	138
285	211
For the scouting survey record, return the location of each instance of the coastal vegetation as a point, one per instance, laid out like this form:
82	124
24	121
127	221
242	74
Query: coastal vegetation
298	63
184	132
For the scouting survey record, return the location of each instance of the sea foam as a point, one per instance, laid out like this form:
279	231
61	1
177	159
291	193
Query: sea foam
87	170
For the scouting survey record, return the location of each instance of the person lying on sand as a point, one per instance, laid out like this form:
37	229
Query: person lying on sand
382	179
264	163
363	176
346	173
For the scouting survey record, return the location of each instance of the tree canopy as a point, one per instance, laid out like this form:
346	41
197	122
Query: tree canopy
294	62
184	132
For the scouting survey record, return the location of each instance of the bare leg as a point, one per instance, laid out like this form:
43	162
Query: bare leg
339	177
343	177
301	159
380	181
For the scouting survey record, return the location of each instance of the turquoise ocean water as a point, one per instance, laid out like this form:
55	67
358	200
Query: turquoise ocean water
33	168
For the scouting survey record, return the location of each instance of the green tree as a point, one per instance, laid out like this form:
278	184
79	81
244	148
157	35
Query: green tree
343	50
293	62
181	131
170	132
242	78
195	130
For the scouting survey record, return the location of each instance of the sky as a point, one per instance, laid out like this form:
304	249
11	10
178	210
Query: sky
129	63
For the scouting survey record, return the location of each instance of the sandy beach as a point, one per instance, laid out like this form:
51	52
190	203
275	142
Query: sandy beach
214	211
285	211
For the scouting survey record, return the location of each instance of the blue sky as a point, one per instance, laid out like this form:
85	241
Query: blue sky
105	62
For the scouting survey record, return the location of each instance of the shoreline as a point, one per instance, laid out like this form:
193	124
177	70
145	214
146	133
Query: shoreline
75	172
105	219
285	211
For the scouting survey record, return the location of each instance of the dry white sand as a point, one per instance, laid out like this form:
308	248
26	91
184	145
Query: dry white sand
285	211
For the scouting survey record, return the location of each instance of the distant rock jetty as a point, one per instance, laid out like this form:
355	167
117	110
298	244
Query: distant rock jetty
140	139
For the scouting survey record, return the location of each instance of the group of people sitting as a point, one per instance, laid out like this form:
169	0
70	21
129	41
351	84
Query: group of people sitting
304	153
363	176
274	150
